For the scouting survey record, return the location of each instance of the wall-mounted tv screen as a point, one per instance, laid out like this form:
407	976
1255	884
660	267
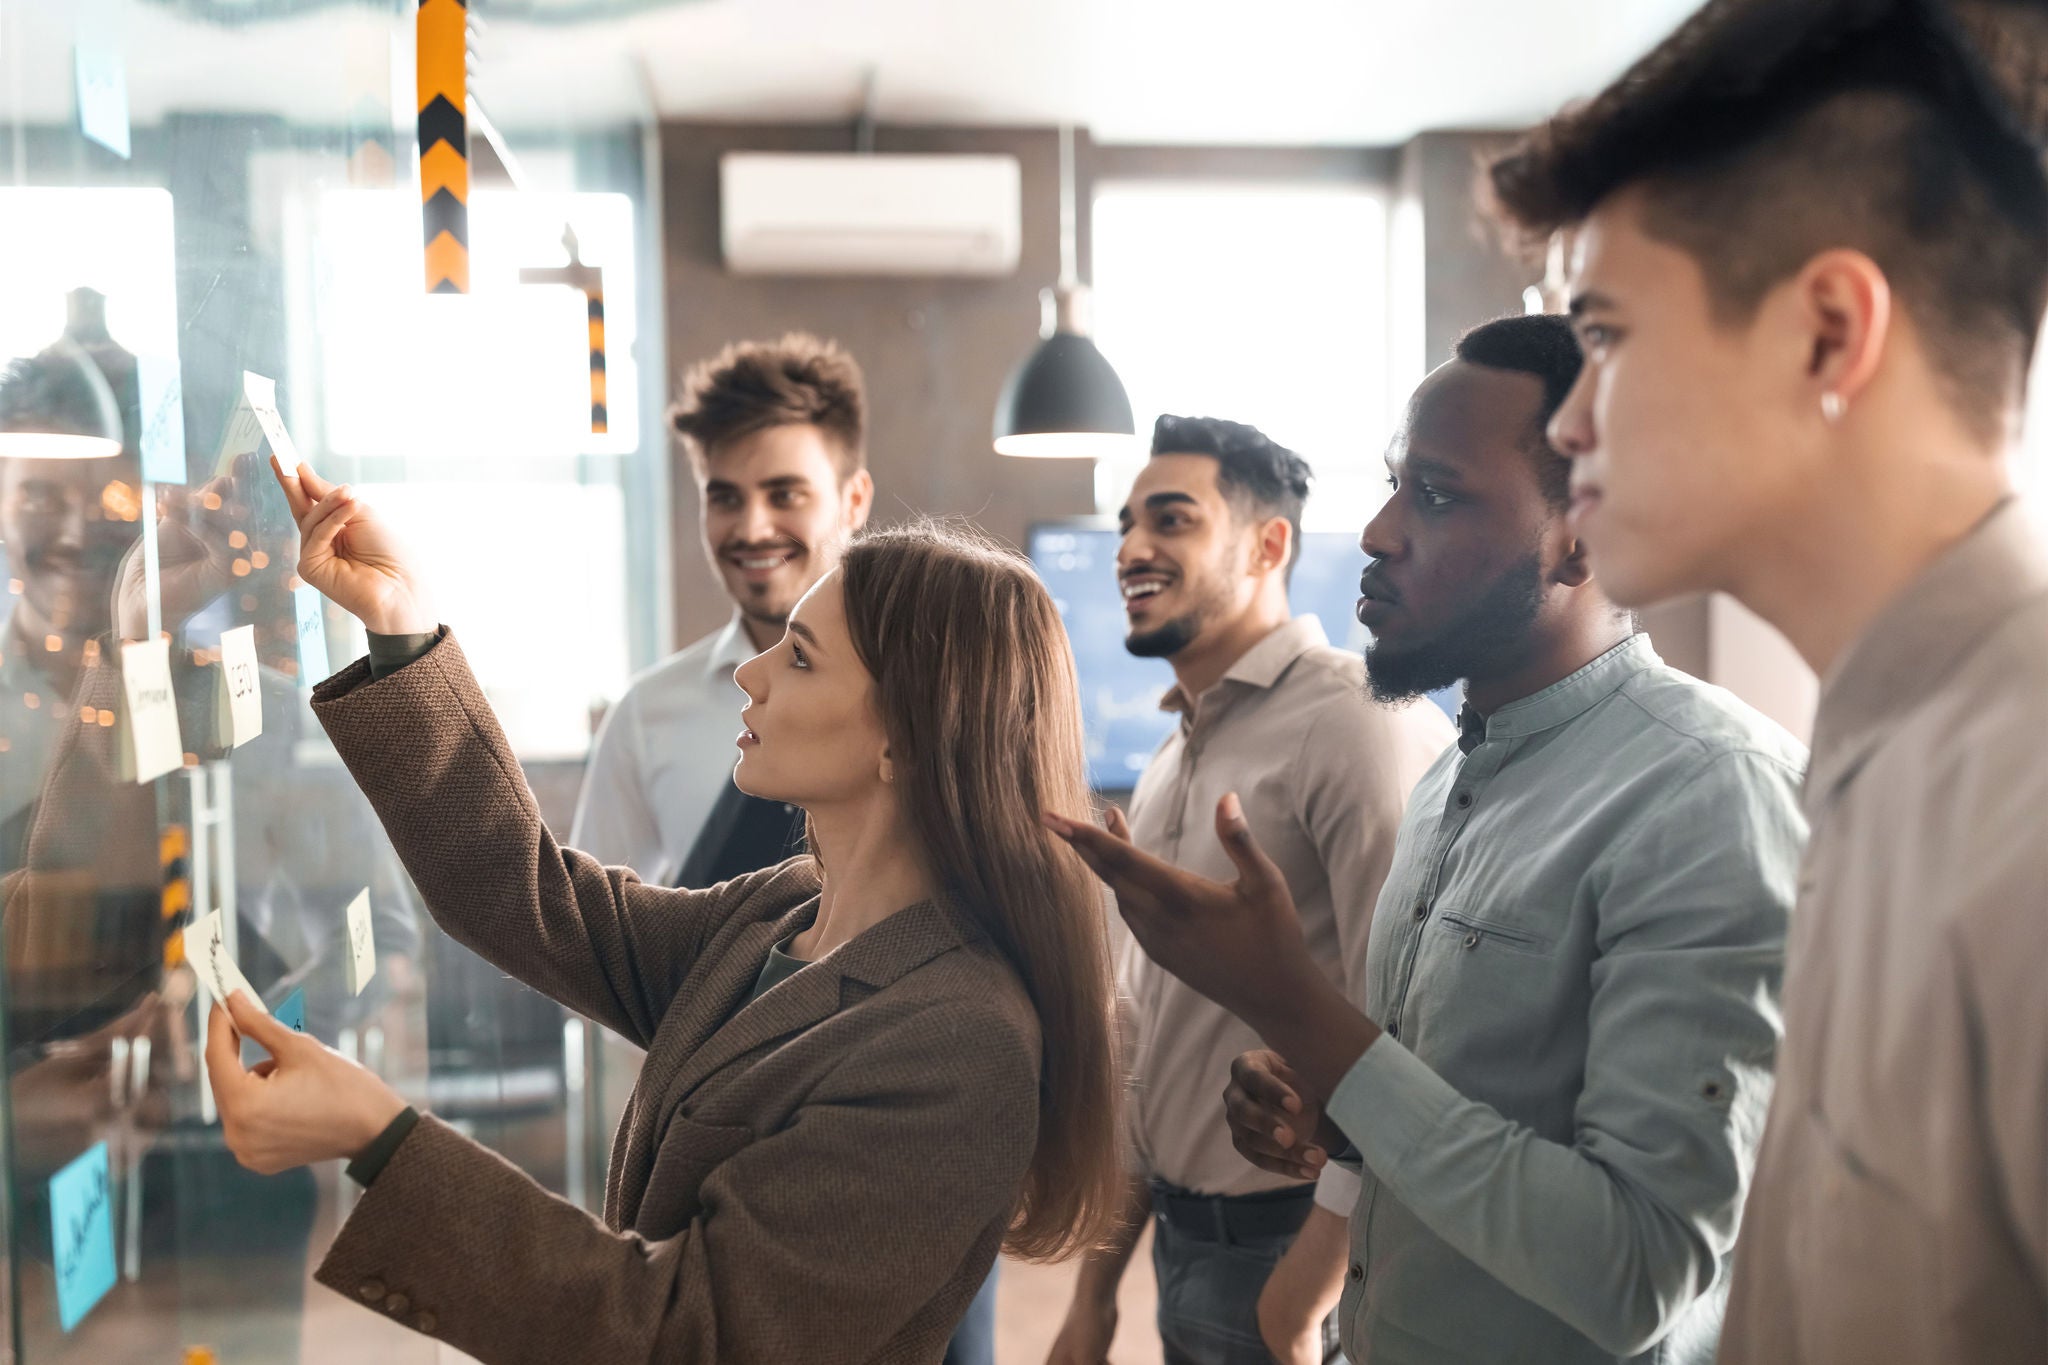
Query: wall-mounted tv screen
1119	692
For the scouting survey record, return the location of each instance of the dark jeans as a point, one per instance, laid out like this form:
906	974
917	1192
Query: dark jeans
974	1341
1209	1296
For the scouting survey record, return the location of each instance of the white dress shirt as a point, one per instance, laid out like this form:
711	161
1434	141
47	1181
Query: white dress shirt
663	755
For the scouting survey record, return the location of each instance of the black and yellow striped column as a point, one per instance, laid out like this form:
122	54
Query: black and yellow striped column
598	420
174	854
441	59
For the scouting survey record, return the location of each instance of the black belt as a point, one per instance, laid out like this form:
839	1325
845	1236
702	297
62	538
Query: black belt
1233	1218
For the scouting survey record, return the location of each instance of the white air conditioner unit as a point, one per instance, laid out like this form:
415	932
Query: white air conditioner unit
870	214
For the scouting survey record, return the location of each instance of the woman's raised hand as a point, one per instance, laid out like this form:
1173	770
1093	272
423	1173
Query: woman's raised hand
350	554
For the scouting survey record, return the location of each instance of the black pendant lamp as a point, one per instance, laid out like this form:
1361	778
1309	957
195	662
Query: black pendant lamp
1064	401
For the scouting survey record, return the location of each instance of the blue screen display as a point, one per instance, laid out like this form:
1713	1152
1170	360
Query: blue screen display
1119	692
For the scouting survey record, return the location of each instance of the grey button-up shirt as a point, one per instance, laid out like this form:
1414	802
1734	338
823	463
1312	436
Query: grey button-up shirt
1901	1203
1576	959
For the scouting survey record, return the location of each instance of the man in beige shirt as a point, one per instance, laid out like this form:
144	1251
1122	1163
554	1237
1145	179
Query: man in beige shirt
1270	710
1809	265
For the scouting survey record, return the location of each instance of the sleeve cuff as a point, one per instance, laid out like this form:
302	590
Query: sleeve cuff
371	1161
389	653
1337	1190
1388	1104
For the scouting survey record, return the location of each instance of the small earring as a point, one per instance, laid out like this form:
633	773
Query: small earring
1833	407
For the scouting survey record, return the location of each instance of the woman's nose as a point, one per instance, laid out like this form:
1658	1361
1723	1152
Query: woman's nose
749	676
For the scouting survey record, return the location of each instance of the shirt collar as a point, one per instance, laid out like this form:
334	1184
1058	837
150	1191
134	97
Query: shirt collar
1920	637
1570	698
1264	663
734	648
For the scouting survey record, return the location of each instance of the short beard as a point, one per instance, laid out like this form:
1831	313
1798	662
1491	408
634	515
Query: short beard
1482	642
1165	641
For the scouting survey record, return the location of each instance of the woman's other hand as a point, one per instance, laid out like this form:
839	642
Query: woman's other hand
351	554
304	1103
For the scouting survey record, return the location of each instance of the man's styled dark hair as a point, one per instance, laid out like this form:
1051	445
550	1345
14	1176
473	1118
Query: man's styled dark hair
795	380
1765	132
1254	471
1543	345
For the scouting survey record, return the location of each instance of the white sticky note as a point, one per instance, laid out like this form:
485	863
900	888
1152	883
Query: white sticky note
150	742
310	609
238	708
102	94
163	418
206	948
254	421
362	944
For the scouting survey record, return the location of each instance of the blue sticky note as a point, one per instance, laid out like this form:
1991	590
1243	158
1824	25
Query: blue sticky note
163	418
82	1234
102	94
311	610
292	1011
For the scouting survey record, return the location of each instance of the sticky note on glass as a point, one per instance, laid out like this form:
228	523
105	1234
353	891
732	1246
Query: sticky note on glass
206	949
238	706
253	422
102	94
162	401
82	1234
362	944
148	734
310	608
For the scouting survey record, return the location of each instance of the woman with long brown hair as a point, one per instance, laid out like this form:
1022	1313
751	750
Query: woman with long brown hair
867	1069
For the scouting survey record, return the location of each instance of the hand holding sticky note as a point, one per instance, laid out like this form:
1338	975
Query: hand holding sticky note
254	421
82	1234
207	950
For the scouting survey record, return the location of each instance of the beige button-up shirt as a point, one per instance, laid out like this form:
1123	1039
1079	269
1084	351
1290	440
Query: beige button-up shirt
1900	1211
1324	775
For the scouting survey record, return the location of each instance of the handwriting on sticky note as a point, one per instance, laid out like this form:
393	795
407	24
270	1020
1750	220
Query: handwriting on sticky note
149	739
82	1234
239	710
362	944
206	948
311	612
163	418
253	421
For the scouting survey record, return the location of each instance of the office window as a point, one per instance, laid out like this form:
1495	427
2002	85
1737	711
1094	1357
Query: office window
1261	303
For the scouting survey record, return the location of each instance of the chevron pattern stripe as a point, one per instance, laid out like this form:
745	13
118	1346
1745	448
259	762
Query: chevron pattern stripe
442	31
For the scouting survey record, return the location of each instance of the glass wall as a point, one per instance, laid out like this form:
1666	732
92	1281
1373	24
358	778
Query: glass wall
205	209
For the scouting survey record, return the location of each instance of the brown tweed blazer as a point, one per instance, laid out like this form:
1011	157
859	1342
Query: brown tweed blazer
823	1175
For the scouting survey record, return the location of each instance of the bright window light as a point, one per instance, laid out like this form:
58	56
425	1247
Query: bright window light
118	241
1258	303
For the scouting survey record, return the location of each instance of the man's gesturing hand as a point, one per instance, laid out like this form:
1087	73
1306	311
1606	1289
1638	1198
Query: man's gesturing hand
1239	944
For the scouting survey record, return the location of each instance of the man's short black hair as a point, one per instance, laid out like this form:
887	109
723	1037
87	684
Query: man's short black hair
1764	132
1253	470
1543	345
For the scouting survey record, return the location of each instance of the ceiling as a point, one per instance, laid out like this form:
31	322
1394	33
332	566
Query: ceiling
1345	72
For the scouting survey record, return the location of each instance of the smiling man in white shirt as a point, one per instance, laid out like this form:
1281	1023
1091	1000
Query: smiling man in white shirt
776	433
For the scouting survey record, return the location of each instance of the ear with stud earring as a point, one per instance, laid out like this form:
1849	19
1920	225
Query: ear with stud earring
1833	407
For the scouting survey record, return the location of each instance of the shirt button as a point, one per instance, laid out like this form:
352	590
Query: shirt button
425	1322
1421	910
371	1290
1357	1273
397	1303
1394	1029
1472	939
1464	800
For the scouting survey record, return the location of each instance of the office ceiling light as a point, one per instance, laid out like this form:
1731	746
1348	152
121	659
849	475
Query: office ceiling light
56	405
1064	401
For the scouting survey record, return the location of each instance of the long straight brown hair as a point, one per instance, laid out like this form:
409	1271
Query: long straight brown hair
975	685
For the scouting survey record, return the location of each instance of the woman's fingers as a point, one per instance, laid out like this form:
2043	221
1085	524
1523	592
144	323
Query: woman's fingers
255	1022
295	494
315	486
329	517
223	1057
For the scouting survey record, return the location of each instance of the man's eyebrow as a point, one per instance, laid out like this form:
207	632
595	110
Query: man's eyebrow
1435	470
1154	501
785	481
